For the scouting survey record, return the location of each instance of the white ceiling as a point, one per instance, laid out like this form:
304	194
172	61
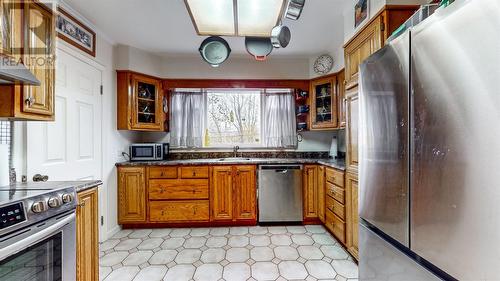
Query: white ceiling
164	27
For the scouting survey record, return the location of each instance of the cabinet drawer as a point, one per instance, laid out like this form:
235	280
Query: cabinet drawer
337	193
200	172
176	211
334	206
178	189
335	177
163	172
335	225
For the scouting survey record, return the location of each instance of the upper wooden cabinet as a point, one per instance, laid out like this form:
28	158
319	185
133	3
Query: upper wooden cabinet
371	38
87	236
352	115
233	193
341	98
131	195
140	102
29	35
323	103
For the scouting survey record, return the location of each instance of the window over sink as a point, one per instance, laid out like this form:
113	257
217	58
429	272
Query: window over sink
224	118
233	118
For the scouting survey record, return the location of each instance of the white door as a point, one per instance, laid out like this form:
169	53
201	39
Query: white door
70	147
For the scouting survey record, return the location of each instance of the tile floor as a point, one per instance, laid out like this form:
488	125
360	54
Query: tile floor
225	253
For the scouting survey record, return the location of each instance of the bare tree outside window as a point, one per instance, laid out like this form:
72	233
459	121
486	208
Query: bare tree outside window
234	118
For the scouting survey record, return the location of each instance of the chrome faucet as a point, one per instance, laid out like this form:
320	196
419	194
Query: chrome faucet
235	150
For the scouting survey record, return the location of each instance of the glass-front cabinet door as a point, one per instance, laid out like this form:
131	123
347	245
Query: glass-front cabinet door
147	105
324	103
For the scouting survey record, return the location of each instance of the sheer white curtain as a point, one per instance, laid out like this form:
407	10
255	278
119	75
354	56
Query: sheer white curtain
280	120
187	112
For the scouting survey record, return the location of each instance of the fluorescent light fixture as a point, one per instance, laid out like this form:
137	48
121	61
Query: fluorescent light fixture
212	17
235	17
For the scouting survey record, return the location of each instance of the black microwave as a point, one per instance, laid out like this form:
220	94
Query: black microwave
149	151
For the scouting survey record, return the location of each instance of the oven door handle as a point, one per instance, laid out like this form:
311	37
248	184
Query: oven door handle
30	240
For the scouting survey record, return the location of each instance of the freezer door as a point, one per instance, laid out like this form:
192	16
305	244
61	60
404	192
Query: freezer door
383	172
455	206
381	261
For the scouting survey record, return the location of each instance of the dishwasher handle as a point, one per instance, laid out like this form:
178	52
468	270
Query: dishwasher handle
281	171
280	168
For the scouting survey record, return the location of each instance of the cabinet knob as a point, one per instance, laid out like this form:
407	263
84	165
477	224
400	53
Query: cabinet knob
29	101
194	173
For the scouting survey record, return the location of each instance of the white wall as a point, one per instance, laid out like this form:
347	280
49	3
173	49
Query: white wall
237	68
193	67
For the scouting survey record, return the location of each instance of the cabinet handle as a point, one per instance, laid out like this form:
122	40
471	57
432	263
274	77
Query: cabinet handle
161	174
194	173
162	190
81	205
29	101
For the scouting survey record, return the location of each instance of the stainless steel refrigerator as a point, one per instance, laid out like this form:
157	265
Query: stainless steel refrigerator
429	198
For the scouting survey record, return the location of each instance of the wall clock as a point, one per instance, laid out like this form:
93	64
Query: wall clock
323	64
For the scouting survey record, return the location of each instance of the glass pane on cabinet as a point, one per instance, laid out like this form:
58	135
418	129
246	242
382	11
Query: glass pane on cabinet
323	102
146	102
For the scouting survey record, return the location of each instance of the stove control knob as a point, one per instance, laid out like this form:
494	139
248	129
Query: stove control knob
67	198
39	207
54	202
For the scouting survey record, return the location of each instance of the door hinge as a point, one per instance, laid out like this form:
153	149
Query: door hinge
102	220
102	90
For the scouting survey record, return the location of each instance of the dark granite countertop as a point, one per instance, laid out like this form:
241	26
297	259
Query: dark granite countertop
333	163
79	185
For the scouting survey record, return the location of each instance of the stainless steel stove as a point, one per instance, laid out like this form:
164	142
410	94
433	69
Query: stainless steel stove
37	233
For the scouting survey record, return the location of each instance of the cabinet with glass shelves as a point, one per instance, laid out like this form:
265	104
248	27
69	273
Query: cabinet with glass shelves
323	103
140	102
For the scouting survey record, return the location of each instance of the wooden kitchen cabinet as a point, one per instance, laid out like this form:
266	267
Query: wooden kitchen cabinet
140	102
352	218
352	117
221	194
341	97
323	103
131	195
310	185
245	193
32	34
372	37
321	193
87	236
233	193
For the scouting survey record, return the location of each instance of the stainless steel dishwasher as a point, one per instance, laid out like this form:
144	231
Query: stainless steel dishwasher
280	193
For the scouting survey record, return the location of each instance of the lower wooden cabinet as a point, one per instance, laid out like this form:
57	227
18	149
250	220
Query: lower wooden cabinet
131	195
187	194
352	213
233	193
310	194
321	193
87	236
245	193
178	211
221	195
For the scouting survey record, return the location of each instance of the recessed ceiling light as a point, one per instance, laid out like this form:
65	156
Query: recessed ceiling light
235	17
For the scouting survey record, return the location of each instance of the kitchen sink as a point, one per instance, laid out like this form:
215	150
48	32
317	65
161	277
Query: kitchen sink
234	159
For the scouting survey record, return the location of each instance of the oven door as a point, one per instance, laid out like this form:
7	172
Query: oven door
45	251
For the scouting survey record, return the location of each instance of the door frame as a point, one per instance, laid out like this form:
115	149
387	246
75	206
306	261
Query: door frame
102	195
